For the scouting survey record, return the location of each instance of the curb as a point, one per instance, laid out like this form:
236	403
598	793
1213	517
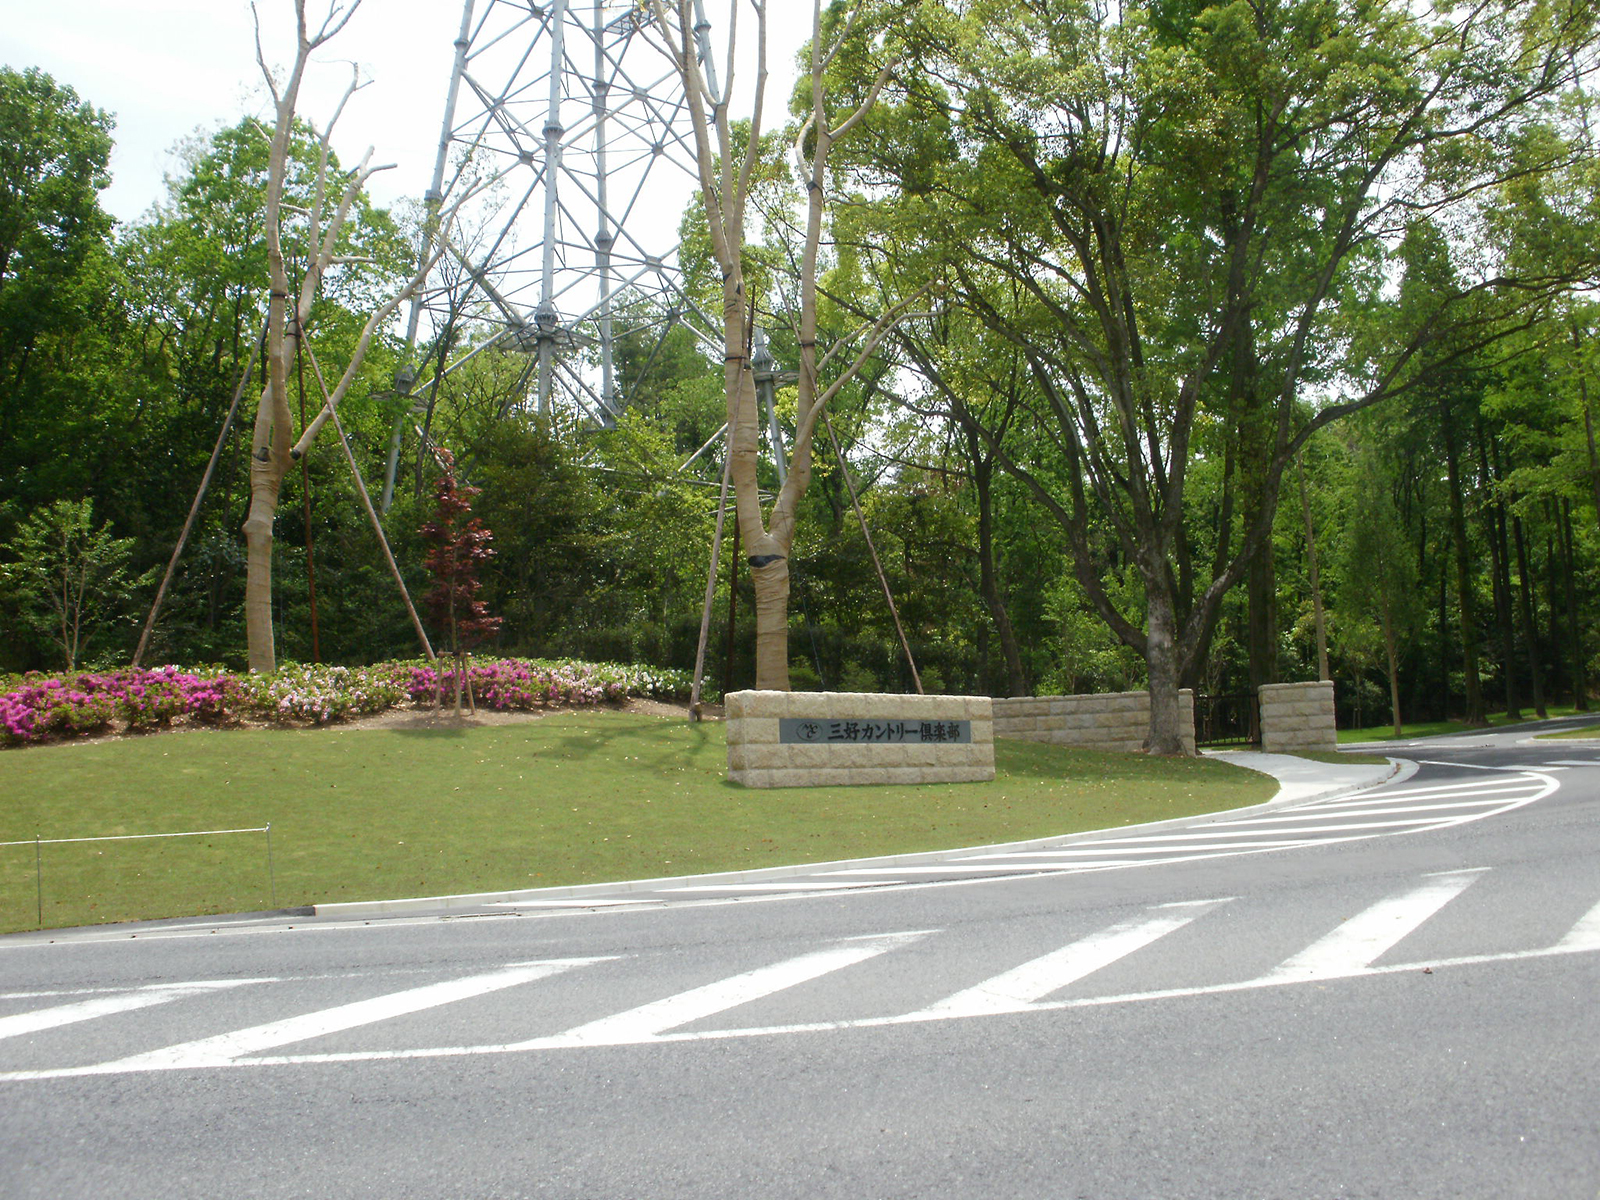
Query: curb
1399	769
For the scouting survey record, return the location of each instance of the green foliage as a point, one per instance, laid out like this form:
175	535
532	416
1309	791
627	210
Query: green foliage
67	578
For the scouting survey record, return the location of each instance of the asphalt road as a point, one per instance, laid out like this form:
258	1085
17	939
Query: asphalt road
1403	1006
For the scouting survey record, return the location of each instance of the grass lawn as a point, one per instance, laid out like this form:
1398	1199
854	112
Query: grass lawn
574	797
1583	731
1385	733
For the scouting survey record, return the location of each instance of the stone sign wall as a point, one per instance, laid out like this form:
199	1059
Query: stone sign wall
1297	716
820	739
1104	721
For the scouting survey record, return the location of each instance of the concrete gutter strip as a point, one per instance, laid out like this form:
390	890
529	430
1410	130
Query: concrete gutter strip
1301	781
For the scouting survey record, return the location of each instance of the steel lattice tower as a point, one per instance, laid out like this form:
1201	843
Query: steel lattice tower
576	111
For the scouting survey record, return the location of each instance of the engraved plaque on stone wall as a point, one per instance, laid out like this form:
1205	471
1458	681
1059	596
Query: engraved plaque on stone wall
823	730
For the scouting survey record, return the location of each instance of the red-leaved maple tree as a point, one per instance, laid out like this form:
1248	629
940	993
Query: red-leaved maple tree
459	544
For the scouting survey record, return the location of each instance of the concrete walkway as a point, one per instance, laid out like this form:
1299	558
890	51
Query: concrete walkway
1302	779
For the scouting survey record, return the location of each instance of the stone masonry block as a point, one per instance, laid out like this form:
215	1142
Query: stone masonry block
759	730
766	756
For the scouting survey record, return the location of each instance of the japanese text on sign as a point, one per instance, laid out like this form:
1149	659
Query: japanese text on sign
821	730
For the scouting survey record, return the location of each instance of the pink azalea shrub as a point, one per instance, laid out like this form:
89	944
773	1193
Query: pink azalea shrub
514	683
90	702
322	694
35	706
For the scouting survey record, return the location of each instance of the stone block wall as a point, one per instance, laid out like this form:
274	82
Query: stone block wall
1103	721
1297	716
822	739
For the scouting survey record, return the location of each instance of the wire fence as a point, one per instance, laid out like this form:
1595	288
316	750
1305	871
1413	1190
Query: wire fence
38	844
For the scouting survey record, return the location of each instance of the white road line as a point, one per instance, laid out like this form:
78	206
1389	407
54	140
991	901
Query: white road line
1366	937
219	1050
1585	935
1231	830
1574	762
103	1006
1503	794
1019	988
1155	847
957	868
819	885
1462	788
647	1021
597	902
1309	814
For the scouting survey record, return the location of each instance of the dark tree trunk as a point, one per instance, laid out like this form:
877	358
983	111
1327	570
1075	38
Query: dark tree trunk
1317	615
1443	711
1477	711
988	580
1499	556
1558	680
1580	672
1530	624
1161	660
1257	498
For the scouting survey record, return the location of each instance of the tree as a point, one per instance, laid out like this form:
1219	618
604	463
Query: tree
459	546
1379	572
273	446
67	577
728	159
56	275
1187	216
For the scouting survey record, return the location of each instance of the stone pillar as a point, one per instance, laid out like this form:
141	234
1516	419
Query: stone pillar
1297	716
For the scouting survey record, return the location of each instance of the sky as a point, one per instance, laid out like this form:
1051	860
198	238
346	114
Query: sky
167	68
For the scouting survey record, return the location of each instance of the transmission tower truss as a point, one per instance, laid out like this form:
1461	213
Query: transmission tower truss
575	112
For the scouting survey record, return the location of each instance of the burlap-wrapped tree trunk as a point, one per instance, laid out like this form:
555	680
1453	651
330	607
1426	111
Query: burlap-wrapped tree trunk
726	167
273	446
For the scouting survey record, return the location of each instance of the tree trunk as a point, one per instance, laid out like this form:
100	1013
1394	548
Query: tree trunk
1161	660
1499	565
1580	674
1477	712
771	580
1262	594
1557	681
1391	654
733	612
1588	423
1258	497
264	488
1318	616
988	583
1442	711
1530	631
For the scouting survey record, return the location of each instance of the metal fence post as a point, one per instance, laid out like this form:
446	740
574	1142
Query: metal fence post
272	879
38	880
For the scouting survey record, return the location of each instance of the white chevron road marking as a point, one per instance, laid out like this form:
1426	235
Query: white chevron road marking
1021	987
1366	937
227	1047
647	1021
18	1024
